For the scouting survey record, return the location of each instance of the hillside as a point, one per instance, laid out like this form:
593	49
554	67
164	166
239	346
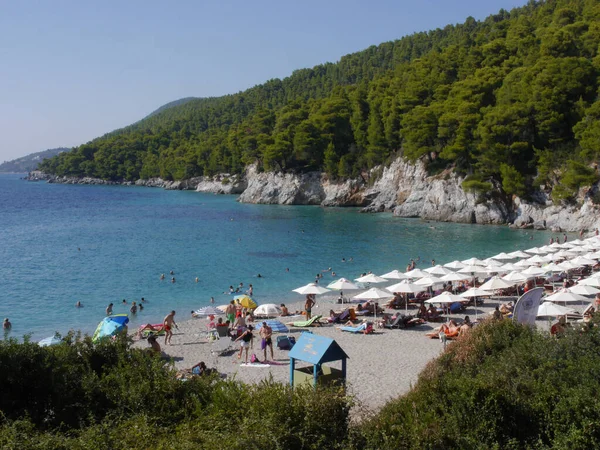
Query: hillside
181	101
510	101
30	162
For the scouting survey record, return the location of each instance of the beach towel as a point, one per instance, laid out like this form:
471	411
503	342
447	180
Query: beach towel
358	329
254	365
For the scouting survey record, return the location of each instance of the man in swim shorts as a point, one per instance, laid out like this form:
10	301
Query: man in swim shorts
230	312
168	325
308	305
266	333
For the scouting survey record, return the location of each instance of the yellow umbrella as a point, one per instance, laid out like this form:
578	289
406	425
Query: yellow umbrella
246	302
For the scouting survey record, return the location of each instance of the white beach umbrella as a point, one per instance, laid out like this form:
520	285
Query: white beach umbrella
406	287
503	257
578	242
515	276
565	295
592	255
582	289
454	265
549	309
510	267
496	283
538	259
565	254
394	275
416	273
548	249
370	278
491	262
267	310
552	268
438	270
519	254
524	263
581	261
49	341
534	251
492	269
455	277
533	271
445	297
567	265
342	284
475	292
373	294
311	288
209	311
567	245
555	245
591	281
429	281
473	262
471	269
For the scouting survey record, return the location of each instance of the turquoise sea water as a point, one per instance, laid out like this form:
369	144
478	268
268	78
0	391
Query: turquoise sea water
101	244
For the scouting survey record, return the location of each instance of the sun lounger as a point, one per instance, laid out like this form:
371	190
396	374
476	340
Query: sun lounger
307	323
362	328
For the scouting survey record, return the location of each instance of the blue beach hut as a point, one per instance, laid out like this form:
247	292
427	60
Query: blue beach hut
316	350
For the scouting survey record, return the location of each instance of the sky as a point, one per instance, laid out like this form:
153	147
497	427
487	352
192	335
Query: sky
71	71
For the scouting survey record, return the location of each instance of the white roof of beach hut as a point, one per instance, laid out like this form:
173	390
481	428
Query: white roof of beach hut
549	309
342	284
454	265
438	270
370	278
394	275
445	297
515	276
406	287
473	262
416	273
495	283
565	295
583	289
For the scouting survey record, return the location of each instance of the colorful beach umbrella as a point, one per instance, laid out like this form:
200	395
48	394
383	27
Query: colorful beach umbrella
110	326
276	325
246	301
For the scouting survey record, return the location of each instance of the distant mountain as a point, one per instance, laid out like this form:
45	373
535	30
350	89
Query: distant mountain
30	162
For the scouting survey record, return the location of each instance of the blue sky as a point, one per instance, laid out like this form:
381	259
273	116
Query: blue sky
74	70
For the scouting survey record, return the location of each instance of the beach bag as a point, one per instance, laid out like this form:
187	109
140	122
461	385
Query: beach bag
292	340
283	343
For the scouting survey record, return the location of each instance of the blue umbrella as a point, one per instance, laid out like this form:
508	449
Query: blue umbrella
52	340
275	325
110	326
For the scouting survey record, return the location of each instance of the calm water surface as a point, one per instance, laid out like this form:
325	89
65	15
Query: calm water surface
61	244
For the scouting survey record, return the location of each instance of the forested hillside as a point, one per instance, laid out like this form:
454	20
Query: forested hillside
30	162
511	101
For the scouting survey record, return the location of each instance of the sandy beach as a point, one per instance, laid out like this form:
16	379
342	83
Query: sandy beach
381	366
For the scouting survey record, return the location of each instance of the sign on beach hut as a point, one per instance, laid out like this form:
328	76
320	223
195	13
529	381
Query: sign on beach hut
316	350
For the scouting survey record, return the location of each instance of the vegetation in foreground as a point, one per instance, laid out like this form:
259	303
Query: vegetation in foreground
502	386
511	102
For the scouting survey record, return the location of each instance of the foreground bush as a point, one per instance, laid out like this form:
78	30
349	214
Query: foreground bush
503	386
81	395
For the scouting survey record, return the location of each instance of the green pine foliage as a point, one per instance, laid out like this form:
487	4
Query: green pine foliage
503	99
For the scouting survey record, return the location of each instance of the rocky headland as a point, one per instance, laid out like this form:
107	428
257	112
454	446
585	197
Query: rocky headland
402	188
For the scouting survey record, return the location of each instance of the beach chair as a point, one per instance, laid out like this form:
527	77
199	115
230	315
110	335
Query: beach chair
396	323
359	329
223	332
307	323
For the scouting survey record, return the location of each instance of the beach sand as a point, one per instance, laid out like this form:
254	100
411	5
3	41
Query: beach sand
381	366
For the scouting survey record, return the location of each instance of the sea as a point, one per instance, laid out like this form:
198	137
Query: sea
62	244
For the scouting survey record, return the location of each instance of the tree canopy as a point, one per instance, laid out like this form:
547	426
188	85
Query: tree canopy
511	101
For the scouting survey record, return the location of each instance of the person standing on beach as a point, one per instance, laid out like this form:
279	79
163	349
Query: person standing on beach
230	312
308	306
247	339
109	309
168	325
266	333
